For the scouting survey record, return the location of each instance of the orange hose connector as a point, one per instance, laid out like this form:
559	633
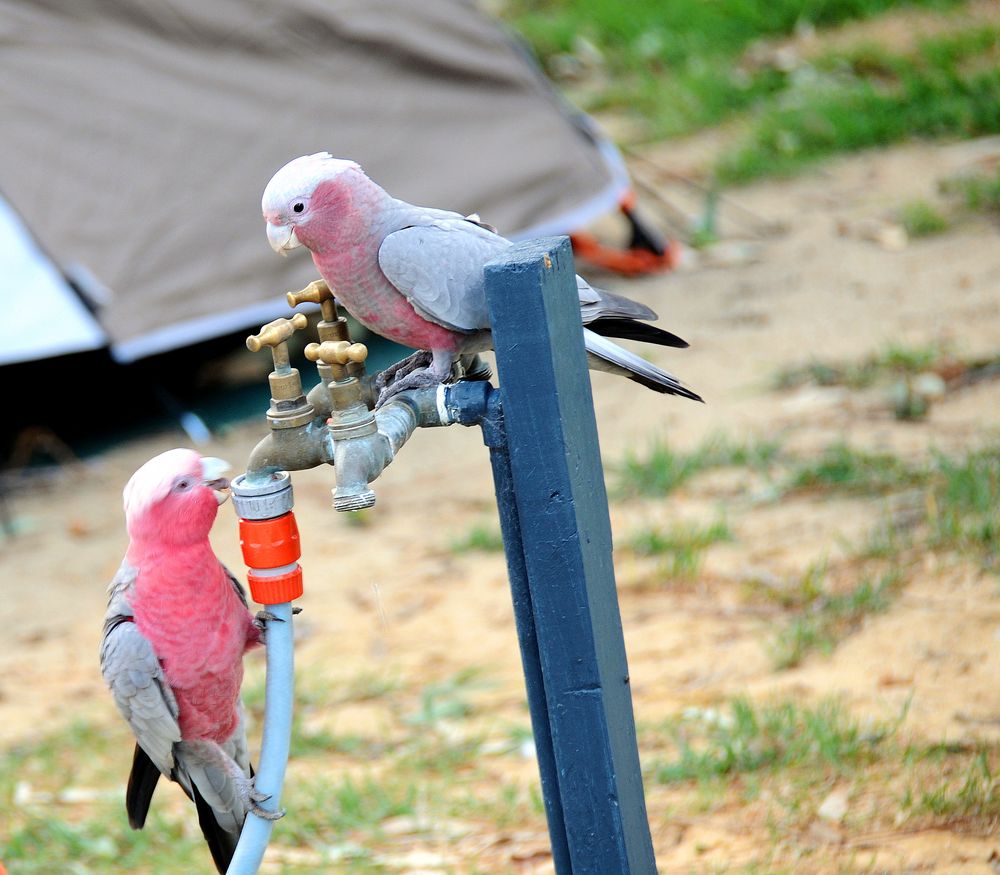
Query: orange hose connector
276	589
269	545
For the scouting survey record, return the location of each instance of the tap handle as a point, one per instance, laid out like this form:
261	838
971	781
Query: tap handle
315	293
276	332
336	352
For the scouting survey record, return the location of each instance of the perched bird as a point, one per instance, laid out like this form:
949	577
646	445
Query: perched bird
175	632
415	274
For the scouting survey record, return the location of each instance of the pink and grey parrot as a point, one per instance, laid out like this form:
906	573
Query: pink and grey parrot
415	274
175	632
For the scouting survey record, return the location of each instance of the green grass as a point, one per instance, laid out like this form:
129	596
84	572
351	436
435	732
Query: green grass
825	618
950	86
978	193
752	738
892	361
964	504
428	765
480	538
678	66
41	835
845	469
662	469
920	218
683	546
972	794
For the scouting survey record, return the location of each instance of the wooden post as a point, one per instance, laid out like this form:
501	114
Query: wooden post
565	549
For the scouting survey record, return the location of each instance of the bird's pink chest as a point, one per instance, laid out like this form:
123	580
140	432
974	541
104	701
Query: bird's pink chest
361	286
200	643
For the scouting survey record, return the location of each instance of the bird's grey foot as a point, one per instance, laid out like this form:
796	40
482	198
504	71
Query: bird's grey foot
254	798
416	379
261	617
420	359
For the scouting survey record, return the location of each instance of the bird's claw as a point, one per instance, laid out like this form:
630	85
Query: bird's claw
419	359
265	814
261	617
416	379
253	799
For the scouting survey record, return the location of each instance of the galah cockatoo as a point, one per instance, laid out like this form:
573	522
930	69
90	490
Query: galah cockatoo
415	274
175	632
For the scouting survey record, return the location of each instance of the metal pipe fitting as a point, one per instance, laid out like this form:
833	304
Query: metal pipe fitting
261	495
292	449
364	448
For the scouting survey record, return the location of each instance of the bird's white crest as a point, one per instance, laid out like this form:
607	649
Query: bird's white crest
299	178
154	480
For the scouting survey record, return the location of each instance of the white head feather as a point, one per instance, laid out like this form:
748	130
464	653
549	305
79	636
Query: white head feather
299	178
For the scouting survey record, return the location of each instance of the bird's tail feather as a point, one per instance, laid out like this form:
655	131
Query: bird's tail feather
607	356
221	843
141	784
629	329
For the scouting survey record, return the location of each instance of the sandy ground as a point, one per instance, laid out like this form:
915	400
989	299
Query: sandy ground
390	594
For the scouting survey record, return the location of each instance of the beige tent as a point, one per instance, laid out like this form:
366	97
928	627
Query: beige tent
138	136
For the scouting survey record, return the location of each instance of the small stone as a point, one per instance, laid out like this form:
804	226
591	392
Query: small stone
834	807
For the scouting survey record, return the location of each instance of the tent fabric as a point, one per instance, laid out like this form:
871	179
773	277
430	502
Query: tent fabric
41	313
138	138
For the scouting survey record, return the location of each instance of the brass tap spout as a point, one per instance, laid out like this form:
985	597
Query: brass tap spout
298	439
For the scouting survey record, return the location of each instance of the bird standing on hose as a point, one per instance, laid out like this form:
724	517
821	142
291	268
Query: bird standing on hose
415	274
175	632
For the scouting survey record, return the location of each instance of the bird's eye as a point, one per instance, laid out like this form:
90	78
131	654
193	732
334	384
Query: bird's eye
184	484
299	207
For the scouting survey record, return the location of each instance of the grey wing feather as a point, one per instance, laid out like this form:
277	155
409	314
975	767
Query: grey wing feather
217	770
597	303
603	355
240	591
135	677
438	267
215	785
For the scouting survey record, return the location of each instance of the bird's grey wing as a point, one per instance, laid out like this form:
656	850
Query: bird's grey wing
135	677
240	591
600	303
438	267
211	772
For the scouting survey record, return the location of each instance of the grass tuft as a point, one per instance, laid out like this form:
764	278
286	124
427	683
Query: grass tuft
480	538
964	504
751	738
921	218
662	469
827	617
683	546
843	468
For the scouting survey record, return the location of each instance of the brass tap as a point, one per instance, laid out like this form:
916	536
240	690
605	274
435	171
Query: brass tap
346	391
332	327
289	407
336	352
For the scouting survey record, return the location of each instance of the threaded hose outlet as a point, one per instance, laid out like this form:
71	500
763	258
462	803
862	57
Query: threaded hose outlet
262	498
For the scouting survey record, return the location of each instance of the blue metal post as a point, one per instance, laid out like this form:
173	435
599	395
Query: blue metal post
495	437
561	538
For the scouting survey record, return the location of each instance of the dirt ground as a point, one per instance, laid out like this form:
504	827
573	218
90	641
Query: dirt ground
391	594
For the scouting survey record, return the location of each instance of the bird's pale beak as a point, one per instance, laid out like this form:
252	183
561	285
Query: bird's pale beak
282	238
212	470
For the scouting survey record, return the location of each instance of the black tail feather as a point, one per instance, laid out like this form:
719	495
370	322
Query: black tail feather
630	329
221	844
665	389
141	784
